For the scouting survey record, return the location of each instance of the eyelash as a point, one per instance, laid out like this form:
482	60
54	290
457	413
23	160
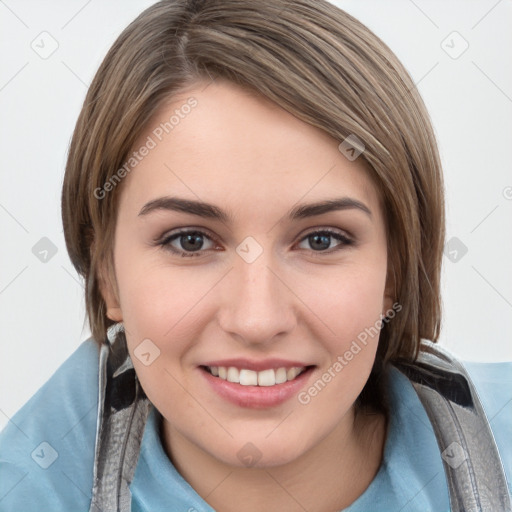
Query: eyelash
166	241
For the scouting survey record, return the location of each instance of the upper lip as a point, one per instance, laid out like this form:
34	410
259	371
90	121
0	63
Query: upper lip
257	366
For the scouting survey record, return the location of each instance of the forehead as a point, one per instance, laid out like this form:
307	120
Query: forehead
223	143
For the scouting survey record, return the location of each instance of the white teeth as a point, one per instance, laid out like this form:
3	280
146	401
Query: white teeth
233	374
292	373
281	375
266	378
246	377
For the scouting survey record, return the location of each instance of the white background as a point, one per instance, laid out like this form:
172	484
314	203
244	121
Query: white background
469	99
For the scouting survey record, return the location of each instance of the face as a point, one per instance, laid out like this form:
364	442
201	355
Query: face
245	318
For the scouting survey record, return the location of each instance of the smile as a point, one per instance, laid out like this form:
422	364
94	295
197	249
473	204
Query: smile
256	385
245	377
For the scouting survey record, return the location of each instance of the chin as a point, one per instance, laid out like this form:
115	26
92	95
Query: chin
261	453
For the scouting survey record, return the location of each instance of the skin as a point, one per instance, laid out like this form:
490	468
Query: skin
252	158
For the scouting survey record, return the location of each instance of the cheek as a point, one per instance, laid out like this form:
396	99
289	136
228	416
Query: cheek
352	301
162	305
155	298
351	307
161	301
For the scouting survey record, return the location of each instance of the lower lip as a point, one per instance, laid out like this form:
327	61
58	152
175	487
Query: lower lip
257	397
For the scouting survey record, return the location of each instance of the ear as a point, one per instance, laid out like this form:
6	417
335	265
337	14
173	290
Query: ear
387	304
109	292
389	291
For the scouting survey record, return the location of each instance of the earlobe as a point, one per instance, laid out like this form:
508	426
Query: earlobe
390	293
114	314
387	305
107	289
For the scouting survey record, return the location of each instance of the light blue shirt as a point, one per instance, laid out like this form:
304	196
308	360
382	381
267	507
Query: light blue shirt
47	449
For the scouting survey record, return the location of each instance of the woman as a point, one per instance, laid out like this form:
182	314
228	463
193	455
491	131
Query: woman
253	196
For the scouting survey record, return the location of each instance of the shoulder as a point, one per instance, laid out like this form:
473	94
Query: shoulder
47	448
412	476
493	383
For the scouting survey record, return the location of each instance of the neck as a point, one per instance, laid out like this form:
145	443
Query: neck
330	476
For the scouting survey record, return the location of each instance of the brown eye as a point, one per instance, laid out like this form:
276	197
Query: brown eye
186	243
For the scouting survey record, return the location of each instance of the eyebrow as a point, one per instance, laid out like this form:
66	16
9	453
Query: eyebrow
210	211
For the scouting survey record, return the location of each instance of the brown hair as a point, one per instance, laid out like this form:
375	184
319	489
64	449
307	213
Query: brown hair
314	60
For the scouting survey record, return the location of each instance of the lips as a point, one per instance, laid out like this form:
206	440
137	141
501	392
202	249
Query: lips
256	384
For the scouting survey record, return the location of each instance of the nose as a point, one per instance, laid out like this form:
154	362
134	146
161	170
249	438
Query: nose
257	303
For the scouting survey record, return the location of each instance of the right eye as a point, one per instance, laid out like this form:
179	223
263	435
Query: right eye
190	241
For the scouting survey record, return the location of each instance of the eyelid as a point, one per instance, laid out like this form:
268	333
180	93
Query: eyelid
345	239
328	229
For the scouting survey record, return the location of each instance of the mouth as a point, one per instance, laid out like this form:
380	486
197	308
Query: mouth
260	386
246	377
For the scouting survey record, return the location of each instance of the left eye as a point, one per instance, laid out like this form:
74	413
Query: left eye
319	240
192	242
